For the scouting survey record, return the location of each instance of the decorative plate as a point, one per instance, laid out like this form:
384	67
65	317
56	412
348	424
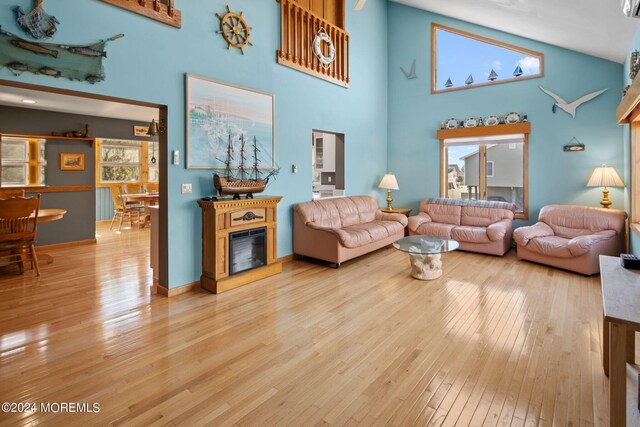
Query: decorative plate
512	118
472	122
452	124
491	121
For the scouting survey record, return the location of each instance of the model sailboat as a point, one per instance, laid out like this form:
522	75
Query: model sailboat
247	180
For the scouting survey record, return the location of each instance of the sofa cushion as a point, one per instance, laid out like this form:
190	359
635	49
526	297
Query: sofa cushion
443	214
469	234
435	229
357	235
551	246
479	216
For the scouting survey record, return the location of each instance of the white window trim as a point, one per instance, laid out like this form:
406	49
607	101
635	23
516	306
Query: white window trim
493	171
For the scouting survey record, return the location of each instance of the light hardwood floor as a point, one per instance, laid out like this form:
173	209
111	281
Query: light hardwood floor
495	341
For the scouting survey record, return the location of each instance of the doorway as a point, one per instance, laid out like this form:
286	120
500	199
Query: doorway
327	164
72	124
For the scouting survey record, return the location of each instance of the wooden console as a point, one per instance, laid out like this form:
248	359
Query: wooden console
225	216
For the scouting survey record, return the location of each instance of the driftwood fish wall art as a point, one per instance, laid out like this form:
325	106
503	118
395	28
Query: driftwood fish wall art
74	62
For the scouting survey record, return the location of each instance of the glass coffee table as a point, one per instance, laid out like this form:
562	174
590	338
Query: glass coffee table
424	253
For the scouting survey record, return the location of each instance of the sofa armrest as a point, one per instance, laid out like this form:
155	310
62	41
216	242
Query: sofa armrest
582	244
317	227
524	234
498	230
389	216
417	220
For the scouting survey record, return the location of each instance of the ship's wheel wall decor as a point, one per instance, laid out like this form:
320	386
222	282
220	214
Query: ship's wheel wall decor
235	30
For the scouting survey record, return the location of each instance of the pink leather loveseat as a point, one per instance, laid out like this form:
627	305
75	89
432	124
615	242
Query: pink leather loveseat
342	228
478	225
572	237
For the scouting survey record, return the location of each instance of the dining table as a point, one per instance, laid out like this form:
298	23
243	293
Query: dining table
47	215
148	199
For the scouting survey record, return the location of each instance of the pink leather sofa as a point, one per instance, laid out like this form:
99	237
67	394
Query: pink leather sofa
342	228
478	225
572	237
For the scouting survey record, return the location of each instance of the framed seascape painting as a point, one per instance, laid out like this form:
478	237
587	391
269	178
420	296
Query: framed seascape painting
223	120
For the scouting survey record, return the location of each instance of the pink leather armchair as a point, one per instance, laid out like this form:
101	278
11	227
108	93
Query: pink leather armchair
339	229
572	237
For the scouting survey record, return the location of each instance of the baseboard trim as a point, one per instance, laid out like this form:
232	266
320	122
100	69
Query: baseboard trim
172	292
286	258
68	244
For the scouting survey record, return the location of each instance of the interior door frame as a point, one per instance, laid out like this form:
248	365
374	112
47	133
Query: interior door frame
163	252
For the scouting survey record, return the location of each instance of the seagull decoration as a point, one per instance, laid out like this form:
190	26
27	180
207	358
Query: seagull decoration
412	74
570	107
360	4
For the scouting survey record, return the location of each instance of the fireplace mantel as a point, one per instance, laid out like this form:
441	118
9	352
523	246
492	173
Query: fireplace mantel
225	216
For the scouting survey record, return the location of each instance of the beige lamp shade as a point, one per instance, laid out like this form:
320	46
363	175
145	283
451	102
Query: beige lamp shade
389	182
605	176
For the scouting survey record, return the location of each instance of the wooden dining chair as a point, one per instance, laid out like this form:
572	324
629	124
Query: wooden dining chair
152	187
122	209
6	193
18	225
131	189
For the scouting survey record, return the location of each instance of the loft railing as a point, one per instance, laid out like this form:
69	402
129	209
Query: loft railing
299	29
160	10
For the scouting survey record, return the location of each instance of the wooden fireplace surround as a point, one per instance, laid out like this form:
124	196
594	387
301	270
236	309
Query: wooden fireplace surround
222	217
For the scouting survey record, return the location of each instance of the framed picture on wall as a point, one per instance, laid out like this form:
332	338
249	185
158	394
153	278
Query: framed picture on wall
71	161
220	117
141	131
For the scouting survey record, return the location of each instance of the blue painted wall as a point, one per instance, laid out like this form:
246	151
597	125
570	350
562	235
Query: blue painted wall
149	65
554	176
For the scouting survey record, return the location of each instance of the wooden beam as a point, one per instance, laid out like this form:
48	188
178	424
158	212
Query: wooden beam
524	127
628	103
54	189
156	10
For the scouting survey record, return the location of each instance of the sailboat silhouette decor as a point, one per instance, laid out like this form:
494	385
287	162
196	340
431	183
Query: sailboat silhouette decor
518	71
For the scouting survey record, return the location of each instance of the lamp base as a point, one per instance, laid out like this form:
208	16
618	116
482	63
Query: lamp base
389	200
605	202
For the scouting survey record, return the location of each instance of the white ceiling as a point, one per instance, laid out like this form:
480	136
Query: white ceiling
75	105
594	27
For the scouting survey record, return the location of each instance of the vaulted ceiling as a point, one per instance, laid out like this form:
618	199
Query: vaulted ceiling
594	27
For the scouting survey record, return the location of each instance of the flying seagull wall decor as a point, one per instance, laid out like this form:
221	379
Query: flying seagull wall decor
411	74
360	4
570	107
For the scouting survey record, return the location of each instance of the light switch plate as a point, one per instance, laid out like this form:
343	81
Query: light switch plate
176	157
187	189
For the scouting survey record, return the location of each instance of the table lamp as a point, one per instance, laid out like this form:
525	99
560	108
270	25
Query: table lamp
605	176
389	182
